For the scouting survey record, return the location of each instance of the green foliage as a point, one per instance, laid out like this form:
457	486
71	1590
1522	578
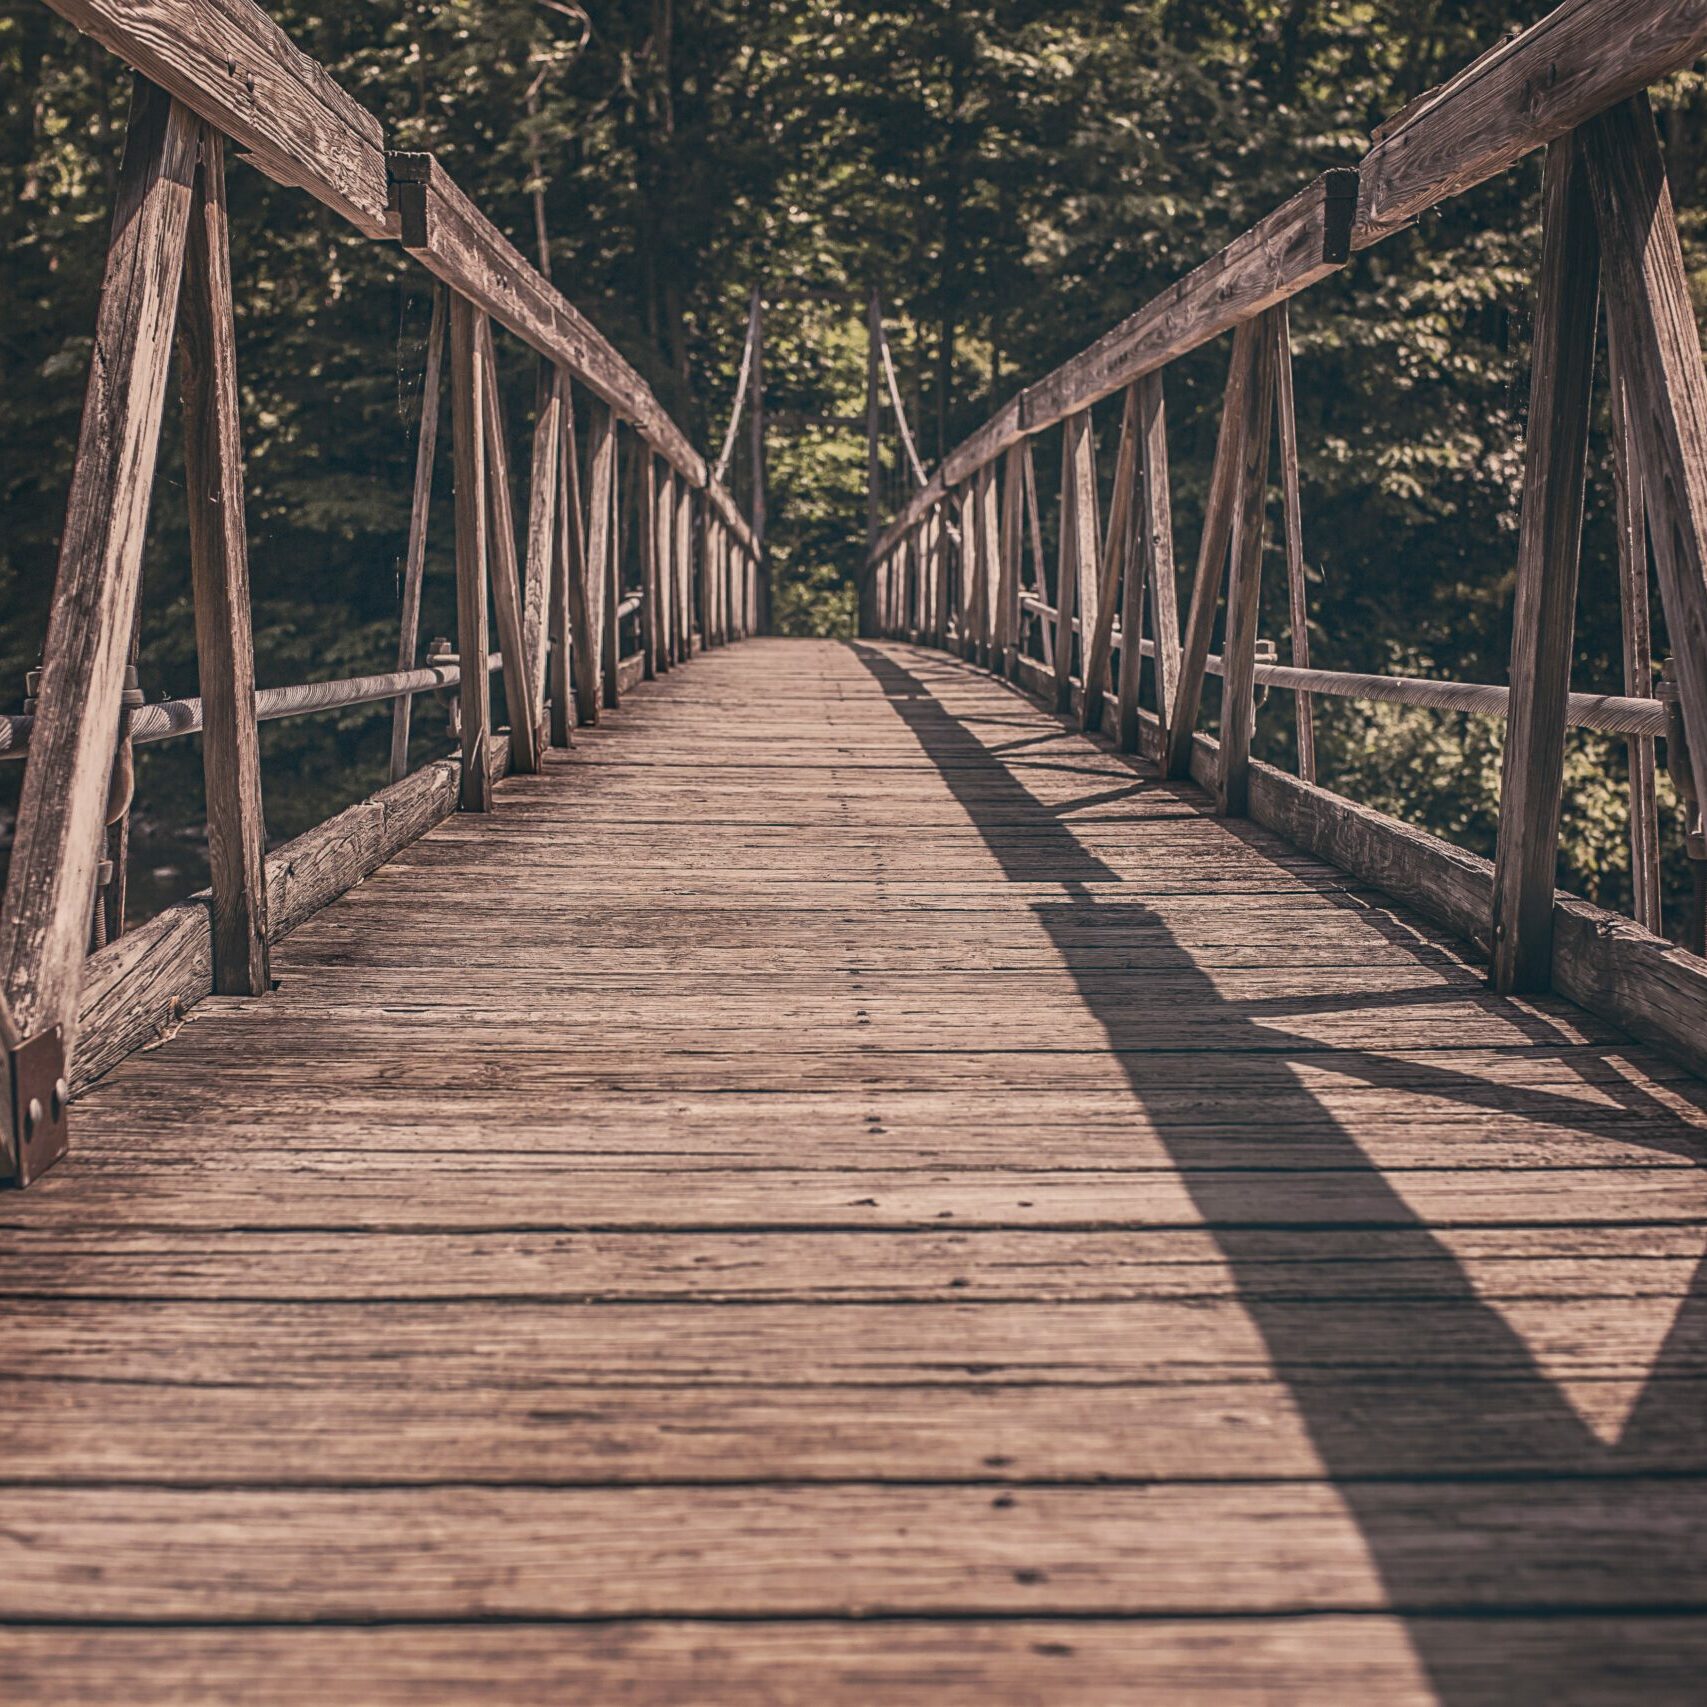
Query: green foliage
1013	178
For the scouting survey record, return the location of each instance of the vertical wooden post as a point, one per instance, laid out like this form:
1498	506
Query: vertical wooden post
873	444
936	555
568	571
1040	584
219	573
970	571
1099	640
1298	612
542	533
589	619
756	426
1549	540
44	926
1652	332
468	438
990	565
1079	573
1006	635
1157	527
1212	552
520	697
651	626
1637	627
1244	589
415	557
684	569
610	638
667	565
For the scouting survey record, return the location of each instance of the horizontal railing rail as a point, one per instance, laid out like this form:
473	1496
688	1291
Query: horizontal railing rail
962	564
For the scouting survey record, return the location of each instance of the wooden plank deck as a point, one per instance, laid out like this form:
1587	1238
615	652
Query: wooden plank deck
843	1190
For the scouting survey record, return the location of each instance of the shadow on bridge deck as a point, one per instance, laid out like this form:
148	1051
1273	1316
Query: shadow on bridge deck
845	1188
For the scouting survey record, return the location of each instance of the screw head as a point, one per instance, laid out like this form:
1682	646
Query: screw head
33	1117
61	1098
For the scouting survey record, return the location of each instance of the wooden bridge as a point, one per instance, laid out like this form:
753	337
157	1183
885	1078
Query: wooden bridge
891	1170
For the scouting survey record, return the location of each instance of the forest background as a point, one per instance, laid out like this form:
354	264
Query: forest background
1011	178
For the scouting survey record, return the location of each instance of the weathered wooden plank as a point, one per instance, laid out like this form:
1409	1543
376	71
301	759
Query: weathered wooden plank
1292	510
567	594
1212	550
684	539
44	927
963	1662
227	61
590	1552
1244	582
1637	634
1098	648
589	590
651	595
420	502
1583	57
542	532
1549	544
521	695
468	432
1078	577
1158	566
219	575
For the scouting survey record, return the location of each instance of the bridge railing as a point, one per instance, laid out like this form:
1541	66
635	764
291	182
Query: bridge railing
625	567
1573	84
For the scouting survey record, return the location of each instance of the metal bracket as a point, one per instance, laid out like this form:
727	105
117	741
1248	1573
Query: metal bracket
40	1097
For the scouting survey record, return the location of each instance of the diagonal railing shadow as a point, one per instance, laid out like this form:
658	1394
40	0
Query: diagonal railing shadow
1454	1393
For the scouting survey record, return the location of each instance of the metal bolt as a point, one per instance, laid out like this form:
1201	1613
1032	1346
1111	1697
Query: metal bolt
61	1098
33	1117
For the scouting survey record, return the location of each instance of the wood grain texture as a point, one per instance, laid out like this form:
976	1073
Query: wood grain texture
1549	546
1212	550
918	1177
521	696
1583	57
219	577
1651	330
542	536
1292	509
1159	573
1244	580
50	882
420	506
227	61
1100	642
468	432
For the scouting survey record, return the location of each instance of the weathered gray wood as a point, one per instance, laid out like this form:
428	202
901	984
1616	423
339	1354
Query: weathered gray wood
44	929
542	534
1157	526
1584	56
568	572
1098	648
1292	510
1011	545
468	436
415	557
1549	544
1244	584
1651	325
590	592
1630	509
1212	550
989	508
1078	574
219	575
456	242
685	536
521	698
663	534
229	62
138	990
646	532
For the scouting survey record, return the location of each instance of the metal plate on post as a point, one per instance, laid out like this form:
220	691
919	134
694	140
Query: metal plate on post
40	1098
